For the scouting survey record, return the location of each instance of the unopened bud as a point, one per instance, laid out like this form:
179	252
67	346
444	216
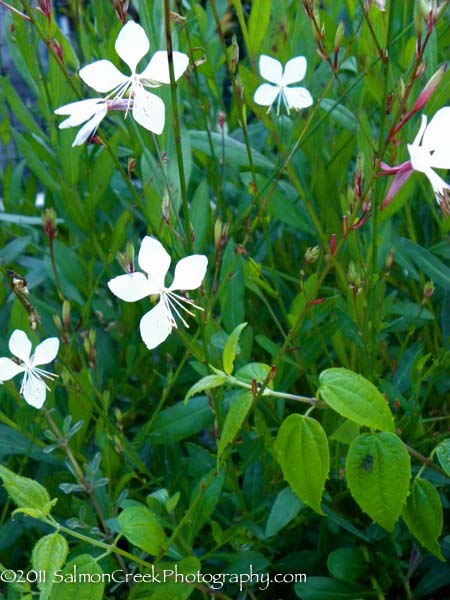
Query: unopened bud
359	174
66	314
353	277
165	206
339	36
58	324
45	7
131	165
57	49
234	55
332	244
401	89
126	259
312	255
49	223
429	89
221	119
121	9
428	289
218	232
390	258
344	226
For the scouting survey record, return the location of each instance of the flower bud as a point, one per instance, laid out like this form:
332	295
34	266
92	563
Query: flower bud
57	49
131	165
428	289
390	258
66	314
353	277
121	9
49	223
339	36
312	255
429	88
45	7
332	244
234	55
218	232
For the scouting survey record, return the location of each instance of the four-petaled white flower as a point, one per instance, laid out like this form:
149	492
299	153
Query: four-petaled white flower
33	386
153	259
132	45
92	111
431	149
292	97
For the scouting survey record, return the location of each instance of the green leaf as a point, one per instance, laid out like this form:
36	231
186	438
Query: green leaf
206	383
18	107
423	515
378	471
68	585
301	448
235	152
328	588
258	24
443	454
356	398
141	527
339	113
181	421
229	352
253	371
204	500
48	555
433	268
24	492
167	587
233	421
347	564
285	508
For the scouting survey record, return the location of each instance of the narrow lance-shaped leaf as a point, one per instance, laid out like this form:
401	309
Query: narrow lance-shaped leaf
230	349
233	421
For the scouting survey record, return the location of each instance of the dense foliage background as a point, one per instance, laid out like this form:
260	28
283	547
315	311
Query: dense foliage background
287	208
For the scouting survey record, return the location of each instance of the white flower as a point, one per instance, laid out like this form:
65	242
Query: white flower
156	325
381	4
431	149
33	386
131	45
272	70
92	111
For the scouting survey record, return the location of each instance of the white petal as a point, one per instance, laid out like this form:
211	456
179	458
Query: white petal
437	134
155	326
420	157
20	345
266	94
131	287
45	352
440	159
102	76
79	111
421	131
90	127
154	260
34	390
437	183
9	369
294	70
132	44
149	111
298	97
189	272
271	69
157	70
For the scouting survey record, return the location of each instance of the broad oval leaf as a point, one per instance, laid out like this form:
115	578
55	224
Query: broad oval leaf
141	527
302	451
356	398
67	586
234	419
26	493
378	472
443	454
48	555
423	515
230	349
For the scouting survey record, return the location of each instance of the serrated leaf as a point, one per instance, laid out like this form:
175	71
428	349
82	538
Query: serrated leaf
356	398
205	383
25	493
141	527
70	587
443	454
423	515
253	371
302	451
229	351
49	555
233	421
378	472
